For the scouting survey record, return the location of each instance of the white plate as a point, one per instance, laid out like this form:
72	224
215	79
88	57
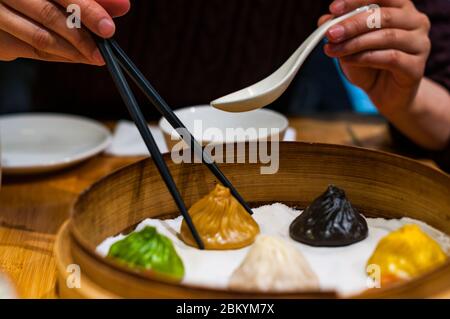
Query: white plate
38	143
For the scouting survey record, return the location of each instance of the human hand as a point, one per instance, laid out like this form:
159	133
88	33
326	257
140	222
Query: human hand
37	29
387	62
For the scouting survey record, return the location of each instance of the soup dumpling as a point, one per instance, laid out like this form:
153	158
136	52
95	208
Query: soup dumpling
330	221
221	222
272	265
149	250
406	253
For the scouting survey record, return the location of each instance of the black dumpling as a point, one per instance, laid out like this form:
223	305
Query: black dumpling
330	221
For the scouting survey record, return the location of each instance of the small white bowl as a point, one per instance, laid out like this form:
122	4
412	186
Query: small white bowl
213	126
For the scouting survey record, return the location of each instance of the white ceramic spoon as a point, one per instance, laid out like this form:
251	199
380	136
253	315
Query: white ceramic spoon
271	88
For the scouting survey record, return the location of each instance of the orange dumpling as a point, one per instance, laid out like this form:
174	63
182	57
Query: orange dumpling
221	222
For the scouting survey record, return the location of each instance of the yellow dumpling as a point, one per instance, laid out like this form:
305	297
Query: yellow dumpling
221	222
406	253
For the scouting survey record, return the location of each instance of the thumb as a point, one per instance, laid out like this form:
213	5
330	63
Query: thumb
324	18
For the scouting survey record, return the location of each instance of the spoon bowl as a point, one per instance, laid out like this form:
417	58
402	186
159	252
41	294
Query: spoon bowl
271	88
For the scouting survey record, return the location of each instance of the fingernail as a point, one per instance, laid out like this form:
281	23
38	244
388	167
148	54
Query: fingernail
97	57
337	32
106	27
337	7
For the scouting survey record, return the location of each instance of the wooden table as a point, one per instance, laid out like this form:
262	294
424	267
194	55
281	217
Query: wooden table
33	208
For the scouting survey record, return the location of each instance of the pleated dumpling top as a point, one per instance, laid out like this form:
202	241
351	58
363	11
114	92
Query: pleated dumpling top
222	222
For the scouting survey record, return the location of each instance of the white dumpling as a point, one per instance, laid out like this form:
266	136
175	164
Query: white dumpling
273	265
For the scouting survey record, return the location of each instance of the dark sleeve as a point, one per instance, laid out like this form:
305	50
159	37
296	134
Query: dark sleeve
438	66
406	146
438	69
443	160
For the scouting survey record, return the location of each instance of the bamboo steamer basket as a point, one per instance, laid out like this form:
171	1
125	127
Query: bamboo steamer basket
377	183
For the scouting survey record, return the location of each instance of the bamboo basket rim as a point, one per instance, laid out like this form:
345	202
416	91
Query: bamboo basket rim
439	173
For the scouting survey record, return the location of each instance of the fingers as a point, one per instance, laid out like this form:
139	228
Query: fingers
93	16
395	61
340	7
36	36
324	18
408	41
19	49
391	18
51	16
116	8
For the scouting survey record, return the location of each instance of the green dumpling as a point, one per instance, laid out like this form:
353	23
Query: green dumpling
149	250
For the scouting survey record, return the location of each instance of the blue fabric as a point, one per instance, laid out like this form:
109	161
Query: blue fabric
360	100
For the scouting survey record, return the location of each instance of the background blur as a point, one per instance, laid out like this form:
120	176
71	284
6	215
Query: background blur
192	52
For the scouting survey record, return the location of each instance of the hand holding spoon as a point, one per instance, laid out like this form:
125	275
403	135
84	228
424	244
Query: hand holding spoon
271	88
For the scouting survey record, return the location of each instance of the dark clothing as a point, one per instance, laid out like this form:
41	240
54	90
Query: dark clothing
196	51
438	69
191	51
407	147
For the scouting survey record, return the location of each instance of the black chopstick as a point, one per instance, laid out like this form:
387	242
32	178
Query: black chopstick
164	109
139	119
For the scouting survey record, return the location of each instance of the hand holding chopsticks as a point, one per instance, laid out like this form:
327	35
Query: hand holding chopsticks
116	59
